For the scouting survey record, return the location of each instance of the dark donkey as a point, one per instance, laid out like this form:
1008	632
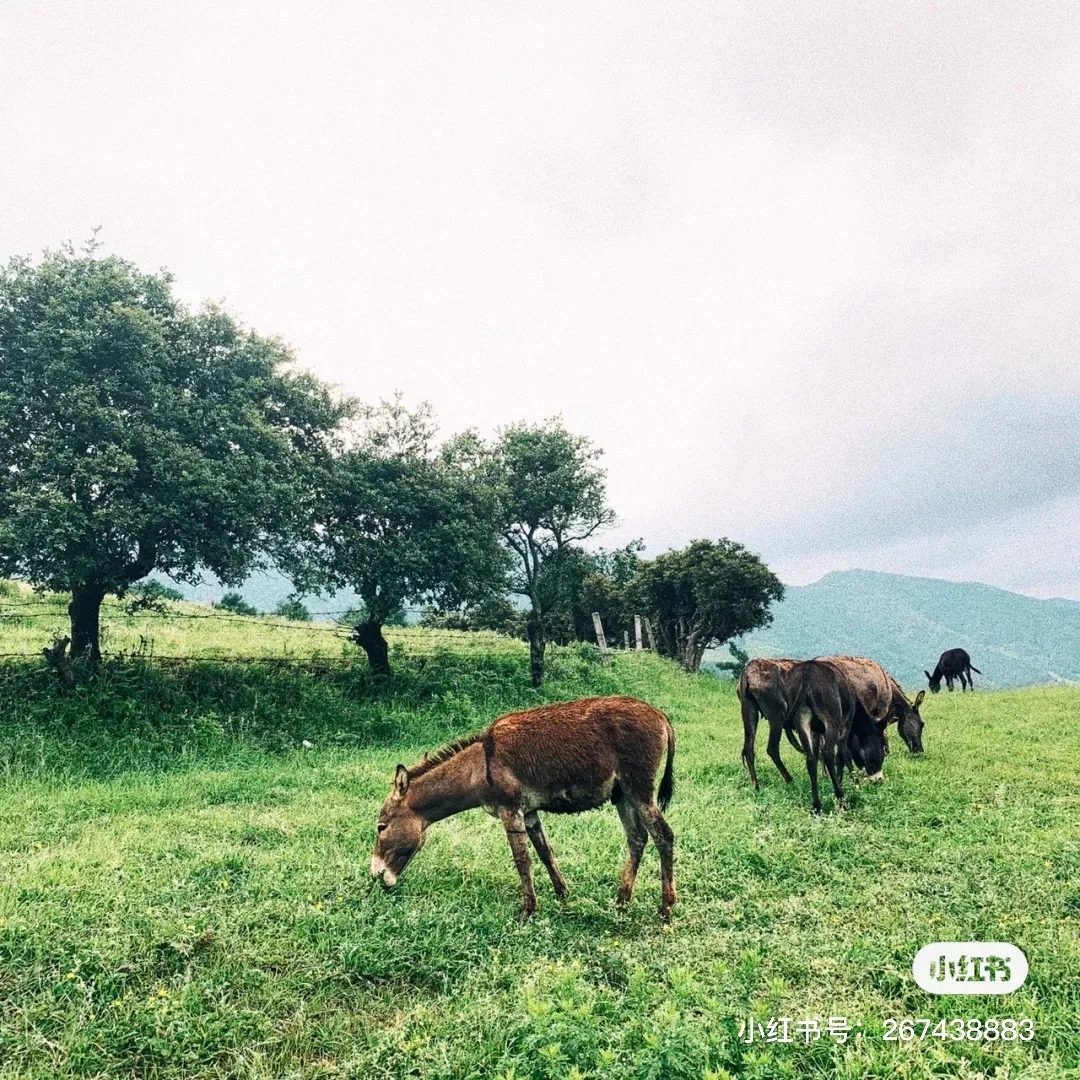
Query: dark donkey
883	699
767	686
758	697
822	710
564	758
952	664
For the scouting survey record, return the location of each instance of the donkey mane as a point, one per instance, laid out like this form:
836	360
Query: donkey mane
444	753
899	689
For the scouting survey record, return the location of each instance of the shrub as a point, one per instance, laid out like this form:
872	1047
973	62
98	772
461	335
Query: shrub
293	609
235	603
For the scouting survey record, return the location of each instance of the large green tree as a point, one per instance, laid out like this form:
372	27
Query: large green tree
552	496
405	522
137	436
704	595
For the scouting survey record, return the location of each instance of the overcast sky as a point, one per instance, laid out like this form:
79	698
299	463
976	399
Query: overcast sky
807	272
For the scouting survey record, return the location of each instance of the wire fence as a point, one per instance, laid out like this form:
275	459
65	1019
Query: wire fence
54	612
413	641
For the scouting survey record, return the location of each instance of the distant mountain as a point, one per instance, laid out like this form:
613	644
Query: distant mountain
905	623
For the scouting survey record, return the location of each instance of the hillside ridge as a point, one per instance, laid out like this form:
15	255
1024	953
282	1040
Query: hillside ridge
906	622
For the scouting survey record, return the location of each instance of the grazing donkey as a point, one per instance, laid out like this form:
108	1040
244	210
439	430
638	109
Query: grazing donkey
564	758
952	664
758	697
876	691
826	715
880	695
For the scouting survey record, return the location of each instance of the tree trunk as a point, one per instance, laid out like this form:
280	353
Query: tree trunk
692	649
369	636
61	662
663	643
85	614
537	644
692	656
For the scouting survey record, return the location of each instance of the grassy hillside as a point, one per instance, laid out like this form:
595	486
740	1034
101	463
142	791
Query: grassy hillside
906	623
184	889
28	621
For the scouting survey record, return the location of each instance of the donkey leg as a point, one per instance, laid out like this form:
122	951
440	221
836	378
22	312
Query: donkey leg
540	841
834	767
514	824
637	836
749	723
773	749
811	768
811	747
664	839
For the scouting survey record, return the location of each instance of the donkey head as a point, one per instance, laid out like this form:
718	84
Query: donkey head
400	832
908	721
934	680
868	746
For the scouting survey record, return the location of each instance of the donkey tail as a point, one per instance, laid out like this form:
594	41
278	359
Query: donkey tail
972	667
667	781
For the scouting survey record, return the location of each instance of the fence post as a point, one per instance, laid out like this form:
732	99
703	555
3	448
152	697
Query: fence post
601	641
652	636
637	633
626	639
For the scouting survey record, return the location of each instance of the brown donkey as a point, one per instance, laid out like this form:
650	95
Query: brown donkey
564	758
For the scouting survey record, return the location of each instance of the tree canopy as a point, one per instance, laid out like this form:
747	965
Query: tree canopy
404	522
138	436
552	496
704	595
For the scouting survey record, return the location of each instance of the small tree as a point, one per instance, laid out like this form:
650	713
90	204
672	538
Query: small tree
552	496
235	604
356	615
496	613
135	436
737	664
151	596
705	595
604	588
404	523
291	608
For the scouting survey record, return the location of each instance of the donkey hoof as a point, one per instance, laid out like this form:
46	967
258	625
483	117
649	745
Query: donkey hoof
665	913
526	912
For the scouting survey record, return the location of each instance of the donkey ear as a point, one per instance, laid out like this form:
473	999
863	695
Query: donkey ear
929	677
401	780
919	698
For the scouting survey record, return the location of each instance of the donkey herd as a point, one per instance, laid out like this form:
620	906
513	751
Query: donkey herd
580	755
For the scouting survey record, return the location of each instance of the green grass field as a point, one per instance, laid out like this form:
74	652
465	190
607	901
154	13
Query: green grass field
184	889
